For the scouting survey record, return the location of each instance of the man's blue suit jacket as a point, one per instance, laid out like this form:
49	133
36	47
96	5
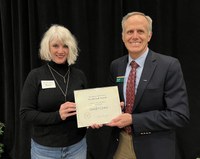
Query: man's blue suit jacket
161	106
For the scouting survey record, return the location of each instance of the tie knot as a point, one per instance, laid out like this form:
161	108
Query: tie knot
134	64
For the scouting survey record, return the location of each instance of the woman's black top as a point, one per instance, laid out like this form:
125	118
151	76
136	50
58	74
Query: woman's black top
40	104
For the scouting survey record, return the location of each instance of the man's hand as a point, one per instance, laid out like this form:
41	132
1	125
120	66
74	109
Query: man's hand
121	121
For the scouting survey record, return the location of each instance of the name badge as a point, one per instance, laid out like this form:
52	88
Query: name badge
48	84
120	79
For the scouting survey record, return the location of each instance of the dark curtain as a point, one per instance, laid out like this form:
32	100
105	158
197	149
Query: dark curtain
97	27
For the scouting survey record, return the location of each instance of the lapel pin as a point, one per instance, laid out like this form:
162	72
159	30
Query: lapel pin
120	79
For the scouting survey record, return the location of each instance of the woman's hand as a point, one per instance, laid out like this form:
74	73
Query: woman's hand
67	109
96	126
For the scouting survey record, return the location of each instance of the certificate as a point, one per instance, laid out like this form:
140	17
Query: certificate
97	105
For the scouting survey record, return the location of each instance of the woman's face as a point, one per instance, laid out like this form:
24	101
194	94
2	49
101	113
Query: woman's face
59	51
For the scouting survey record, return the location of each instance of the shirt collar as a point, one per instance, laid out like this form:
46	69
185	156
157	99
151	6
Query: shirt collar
140	60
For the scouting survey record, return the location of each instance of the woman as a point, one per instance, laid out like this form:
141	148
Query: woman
48	100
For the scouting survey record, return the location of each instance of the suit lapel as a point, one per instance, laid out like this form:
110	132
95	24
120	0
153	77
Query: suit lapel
122	70
149	67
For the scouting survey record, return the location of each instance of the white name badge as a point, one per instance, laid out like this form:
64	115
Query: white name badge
48	84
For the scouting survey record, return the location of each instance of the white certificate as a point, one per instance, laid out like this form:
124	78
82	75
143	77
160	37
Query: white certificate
97	105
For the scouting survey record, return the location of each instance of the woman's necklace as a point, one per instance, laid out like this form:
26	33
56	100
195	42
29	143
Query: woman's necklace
68	72
64	77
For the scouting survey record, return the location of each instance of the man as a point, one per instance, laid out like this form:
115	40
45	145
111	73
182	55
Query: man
159	100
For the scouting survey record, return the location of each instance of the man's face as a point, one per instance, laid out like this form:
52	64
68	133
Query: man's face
136	35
